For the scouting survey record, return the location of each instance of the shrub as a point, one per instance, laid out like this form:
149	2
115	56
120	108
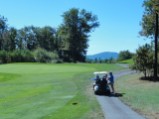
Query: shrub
3	56
143	60
22	56
16	56
41	55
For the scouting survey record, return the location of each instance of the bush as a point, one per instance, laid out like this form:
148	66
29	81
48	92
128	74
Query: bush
16	56
4	56
22	56
41	55
143	60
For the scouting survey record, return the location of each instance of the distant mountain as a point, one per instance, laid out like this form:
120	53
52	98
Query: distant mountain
103	55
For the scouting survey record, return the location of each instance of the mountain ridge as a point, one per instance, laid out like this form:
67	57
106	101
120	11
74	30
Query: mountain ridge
103	55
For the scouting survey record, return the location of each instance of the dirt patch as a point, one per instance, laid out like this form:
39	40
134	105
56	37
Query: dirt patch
152	115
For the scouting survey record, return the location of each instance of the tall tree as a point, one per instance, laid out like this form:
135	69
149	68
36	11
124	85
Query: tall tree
3	27
74	33
20	39
9	42
148	19
31	40
46	37
28	38
150	26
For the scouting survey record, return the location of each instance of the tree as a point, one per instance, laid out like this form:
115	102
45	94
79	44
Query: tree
46	38
20	37
150	26
124	55
74	33
30	38
9	42
27	38
148	19
143	60
3	27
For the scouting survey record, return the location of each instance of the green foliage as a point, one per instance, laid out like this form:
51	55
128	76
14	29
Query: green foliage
3	57
33	37
70	41
3	29
143	60
74	33
124	55
22	56
44	56
16	56
9	44
148	19
46	38
39	55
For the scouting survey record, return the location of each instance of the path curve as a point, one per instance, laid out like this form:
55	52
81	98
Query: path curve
113	108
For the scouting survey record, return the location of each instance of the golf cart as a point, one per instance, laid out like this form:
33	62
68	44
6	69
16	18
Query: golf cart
101	85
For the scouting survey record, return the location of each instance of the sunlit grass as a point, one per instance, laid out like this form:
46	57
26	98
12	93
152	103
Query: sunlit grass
129	62
140	95
49	91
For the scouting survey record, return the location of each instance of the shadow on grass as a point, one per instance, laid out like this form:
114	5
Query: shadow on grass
112	95
150	78
117	95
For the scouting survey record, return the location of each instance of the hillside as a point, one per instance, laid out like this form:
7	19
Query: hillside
103	55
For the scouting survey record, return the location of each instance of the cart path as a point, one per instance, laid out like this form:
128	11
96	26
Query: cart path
113	108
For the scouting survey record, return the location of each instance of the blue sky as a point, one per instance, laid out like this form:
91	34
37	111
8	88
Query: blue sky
119	20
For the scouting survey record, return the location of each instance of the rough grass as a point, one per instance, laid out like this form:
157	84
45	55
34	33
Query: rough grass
129	62
49	91
142	96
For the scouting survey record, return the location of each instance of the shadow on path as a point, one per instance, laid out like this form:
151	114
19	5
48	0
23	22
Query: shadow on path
113	95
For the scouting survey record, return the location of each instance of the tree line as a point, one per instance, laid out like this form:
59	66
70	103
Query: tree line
67	43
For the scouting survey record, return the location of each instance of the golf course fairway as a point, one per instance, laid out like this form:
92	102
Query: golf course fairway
48	91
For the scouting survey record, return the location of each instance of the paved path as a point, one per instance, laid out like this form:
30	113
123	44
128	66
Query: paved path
113	108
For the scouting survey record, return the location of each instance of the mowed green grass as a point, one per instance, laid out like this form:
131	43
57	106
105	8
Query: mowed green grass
49	91
142	96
